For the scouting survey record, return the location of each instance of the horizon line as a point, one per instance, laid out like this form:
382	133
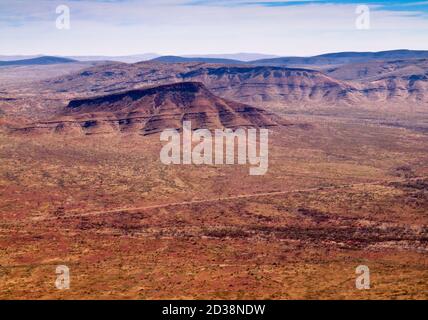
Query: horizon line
187	55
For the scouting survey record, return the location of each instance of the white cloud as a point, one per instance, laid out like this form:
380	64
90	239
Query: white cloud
167	27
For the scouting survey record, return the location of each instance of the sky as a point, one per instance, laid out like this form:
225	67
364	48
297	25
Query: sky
185	27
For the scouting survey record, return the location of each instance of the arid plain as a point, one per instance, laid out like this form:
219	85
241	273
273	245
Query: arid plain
82	185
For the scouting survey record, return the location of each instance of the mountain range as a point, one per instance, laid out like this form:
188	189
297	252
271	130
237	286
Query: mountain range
345	58
241	57
149	96
338	58
360	84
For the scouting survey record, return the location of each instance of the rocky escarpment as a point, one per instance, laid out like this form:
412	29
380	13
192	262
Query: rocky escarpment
275	86
151	110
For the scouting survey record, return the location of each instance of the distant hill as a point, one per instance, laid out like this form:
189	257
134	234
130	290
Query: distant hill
21	57
126	59
45	60
150	56
177	59
344	58
392	54
245	57
338	58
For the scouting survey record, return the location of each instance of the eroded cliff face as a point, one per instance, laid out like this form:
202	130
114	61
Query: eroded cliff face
155	109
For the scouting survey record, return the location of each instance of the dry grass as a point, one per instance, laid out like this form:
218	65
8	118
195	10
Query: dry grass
298	245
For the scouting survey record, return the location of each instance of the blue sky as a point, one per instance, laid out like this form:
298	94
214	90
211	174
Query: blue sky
413	5
122	27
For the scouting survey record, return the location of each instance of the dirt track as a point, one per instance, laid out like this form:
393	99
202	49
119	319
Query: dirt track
236	197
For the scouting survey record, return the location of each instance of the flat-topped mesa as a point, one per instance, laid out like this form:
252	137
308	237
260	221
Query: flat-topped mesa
184	88
151	110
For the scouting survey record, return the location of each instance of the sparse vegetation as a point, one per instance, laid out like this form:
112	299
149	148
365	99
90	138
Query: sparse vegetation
353	183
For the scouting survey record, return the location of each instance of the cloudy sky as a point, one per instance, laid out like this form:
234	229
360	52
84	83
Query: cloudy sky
124	27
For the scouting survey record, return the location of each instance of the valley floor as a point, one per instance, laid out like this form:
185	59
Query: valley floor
338	194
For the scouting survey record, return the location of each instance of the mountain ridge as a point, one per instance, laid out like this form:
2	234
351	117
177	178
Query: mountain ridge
44	60
180	59
344	57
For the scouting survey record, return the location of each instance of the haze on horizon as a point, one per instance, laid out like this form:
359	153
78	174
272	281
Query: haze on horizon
186	27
